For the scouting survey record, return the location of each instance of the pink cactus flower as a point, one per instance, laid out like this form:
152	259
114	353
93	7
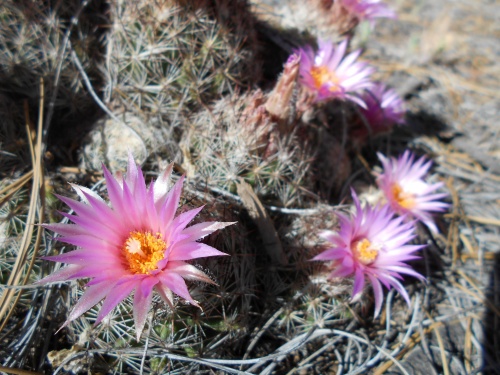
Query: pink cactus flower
136	245
384	108
373	245
368	10
405	190
332	75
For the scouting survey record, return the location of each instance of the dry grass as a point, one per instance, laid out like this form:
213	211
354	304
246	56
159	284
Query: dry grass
27	253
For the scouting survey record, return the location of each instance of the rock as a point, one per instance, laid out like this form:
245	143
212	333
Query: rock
111	141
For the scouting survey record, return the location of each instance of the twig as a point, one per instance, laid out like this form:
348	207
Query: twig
261	332
16	185
18	371
294	211
444	360
99	102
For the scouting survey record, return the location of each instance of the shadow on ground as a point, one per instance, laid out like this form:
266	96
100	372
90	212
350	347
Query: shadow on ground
491	341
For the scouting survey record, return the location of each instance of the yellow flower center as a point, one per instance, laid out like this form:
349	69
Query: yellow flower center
322	75
404	199
143	250
364	251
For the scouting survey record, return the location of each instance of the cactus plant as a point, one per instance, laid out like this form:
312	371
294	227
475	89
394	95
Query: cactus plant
165	58
37	38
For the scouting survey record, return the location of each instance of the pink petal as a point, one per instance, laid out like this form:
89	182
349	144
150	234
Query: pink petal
181	221
91	243
162	186
118	293
192	250
397	285
140	193
90	298
332	254
348	60
82	257
430	224
325	49
378	294
151	213
132	172
165	294
100	208
108	275
86	212
357	100
84	193
115	193
348	262
359	282
198	231
131	207
92	226
188	271
405	270
171	203
104	271
341	272
142	303
65	229
63	274
176	284
338	55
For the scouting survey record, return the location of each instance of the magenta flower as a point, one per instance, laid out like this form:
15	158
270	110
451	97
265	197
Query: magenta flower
331	75
372	244
368	9
136	245
405	190
384	108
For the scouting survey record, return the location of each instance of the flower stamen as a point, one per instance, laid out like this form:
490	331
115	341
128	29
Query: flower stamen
403	198
321	75
133	246
143	250
364	251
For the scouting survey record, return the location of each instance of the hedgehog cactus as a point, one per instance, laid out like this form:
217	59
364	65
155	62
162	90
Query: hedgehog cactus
252	137
270	142
30	47
238	139
330	18
34	45
165	57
